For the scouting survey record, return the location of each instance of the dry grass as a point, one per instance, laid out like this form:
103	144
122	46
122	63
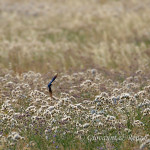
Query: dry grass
72	37
62	35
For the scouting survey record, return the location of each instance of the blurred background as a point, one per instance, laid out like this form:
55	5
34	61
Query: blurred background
74	35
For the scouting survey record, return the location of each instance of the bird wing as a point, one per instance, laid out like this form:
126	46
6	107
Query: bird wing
52	80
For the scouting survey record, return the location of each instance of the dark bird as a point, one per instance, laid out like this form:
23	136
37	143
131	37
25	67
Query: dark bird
50	84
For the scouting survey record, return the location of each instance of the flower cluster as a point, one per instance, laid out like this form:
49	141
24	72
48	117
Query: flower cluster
79	105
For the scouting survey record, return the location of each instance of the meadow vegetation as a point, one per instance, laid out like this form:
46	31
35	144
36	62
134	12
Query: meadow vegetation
101	52
53	35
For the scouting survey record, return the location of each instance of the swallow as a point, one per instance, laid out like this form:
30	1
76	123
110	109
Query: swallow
50	84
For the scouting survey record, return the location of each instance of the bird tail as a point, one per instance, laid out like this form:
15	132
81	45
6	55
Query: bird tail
50	94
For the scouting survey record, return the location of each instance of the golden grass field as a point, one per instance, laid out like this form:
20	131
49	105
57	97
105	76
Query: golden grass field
101	52
62	35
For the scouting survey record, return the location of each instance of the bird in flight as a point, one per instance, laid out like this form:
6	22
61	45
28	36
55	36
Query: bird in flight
50	84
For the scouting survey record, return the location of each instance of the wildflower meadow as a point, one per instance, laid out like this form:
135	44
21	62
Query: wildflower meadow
74	75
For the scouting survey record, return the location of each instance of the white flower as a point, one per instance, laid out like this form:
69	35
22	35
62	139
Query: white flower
15	136
86	125
50	108
145	144
125	95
